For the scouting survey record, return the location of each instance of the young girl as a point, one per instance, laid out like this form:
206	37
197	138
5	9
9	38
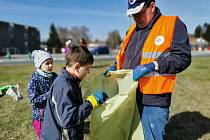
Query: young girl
38	86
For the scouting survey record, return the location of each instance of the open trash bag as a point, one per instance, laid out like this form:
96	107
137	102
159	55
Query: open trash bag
11	90
118	117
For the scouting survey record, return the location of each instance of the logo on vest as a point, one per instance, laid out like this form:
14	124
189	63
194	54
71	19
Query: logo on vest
159	40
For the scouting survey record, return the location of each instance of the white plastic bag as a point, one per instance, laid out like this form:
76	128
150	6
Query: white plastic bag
14	92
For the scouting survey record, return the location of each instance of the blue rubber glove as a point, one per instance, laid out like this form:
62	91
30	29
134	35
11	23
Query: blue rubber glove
98	98
141	70
112	68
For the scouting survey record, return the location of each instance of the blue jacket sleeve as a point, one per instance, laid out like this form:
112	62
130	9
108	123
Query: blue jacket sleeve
67	112
34	96
178	57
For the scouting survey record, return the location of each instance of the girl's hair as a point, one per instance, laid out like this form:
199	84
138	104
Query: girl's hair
79	55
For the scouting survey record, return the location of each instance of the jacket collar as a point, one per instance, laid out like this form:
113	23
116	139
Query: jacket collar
68	75
44	74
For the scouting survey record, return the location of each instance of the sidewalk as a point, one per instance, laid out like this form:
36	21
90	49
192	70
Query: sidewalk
59	58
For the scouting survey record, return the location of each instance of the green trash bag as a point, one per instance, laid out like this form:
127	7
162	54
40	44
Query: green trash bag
11	90
118	117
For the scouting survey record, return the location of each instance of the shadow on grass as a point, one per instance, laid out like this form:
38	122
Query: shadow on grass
187	126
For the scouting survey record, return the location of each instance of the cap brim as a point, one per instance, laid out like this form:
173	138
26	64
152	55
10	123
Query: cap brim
135	10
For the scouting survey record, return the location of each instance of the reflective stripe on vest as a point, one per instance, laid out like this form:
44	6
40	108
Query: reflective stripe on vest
157	42
154	73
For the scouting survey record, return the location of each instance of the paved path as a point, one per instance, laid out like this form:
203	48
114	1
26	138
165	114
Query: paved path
59	58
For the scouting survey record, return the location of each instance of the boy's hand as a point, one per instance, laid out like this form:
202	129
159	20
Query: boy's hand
98	98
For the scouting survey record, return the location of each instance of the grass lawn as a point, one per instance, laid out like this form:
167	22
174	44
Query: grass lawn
190	109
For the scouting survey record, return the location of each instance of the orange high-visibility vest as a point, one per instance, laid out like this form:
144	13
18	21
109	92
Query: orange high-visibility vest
158	41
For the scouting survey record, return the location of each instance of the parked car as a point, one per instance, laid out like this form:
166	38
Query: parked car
99	50
2	53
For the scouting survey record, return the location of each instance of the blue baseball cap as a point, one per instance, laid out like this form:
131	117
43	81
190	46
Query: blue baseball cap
135	6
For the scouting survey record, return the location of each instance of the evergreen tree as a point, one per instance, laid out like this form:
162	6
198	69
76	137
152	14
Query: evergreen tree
197	32
53	41
206	32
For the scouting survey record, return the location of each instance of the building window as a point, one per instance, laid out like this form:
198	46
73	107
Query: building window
11	40
25	36
11	31
26	43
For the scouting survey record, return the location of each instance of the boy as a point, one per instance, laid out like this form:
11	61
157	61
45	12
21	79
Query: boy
65	112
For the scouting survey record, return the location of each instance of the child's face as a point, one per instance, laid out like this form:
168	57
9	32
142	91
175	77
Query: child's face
47	65
83	71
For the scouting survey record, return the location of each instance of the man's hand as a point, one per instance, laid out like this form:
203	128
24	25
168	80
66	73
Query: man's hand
112	68
141	70
98	98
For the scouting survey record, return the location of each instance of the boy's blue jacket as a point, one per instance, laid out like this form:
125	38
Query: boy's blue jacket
65	109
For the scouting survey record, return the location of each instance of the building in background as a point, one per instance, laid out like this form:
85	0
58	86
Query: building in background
18	39
198	44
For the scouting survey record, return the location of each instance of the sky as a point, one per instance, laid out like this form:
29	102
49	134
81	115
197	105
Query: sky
100	16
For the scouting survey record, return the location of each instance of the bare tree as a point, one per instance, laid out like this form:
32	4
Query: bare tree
113	39
74	33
